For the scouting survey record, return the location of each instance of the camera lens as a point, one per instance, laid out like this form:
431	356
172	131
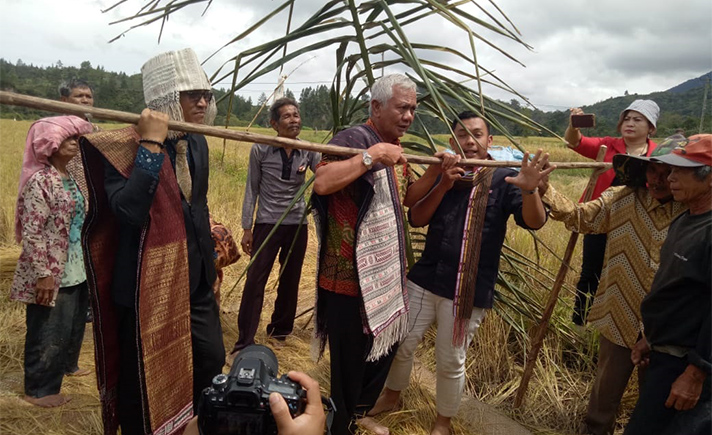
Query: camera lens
259	352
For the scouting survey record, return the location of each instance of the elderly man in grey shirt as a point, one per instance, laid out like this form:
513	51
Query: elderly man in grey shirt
275	175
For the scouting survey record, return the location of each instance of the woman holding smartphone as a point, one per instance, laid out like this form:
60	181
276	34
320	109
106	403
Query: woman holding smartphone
636	124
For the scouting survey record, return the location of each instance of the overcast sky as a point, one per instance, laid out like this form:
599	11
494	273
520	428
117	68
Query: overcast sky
583	51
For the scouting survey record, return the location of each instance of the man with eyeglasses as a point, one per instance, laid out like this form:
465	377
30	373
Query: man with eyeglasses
150	255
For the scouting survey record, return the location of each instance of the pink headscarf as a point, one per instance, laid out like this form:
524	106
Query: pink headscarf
42	141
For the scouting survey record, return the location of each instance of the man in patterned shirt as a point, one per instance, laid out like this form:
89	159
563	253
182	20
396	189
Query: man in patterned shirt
677	313
636	218
362	303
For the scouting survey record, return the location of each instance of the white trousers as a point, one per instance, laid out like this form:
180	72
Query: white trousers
426	308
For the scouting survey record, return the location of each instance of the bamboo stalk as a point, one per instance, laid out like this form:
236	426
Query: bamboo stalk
13	99
543	326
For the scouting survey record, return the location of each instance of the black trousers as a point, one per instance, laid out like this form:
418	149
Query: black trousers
650	415
285	306
208	357
355	383
54	340
594	249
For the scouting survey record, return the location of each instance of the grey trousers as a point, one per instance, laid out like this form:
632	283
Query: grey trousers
614	371
54	339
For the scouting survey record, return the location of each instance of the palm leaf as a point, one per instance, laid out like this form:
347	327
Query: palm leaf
358	33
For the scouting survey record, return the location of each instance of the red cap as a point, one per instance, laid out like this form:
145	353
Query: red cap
697	152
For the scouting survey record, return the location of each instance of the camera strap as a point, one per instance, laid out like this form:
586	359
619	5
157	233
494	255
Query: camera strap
330	410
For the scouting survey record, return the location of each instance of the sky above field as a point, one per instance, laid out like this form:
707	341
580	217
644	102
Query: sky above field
583	51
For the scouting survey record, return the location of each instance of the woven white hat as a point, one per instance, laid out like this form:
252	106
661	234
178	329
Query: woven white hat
647	108
166	75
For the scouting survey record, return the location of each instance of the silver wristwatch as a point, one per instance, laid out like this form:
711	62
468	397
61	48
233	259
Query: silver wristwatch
367	160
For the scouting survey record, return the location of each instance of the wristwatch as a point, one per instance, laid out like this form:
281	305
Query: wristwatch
367	160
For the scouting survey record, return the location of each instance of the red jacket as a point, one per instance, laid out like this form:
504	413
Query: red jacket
588	147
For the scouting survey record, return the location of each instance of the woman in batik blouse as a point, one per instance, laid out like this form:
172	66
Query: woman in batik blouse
50	277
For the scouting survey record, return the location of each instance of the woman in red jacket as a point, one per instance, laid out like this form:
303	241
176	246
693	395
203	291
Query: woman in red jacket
637	123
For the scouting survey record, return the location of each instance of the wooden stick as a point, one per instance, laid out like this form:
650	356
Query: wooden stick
13	99
543	326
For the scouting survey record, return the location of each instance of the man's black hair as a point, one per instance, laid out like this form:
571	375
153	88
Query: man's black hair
468	114
65	88
274	108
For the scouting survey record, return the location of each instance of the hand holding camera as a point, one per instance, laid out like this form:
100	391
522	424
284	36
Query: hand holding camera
251	399
311	421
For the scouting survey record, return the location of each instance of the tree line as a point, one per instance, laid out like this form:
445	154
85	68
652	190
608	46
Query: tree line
119	91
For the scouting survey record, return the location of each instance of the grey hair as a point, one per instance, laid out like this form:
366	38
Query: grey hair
65	88
701	172
382	89
284	101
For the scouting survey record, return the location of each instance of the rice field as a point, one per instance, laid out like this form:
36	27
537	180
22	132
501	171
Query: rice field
558	392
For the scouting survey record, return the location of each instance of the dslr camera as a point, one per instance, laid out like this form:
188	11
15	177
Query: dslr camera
238	403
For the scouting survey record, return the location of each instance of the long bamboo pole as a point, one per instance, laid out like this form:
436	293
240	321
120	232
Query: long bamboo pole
13	99
543	325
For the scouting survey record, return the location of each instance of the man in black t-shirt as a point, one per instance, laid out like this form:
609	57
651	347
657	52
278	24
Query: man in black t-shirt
677	347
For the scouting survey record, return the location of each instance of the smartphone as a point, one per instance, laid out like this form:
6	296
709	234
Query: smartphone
586	120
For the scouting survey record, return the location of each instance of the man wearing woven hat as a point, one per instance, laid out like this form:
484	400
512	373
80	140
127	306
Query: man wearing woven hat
635	218
151	255
677	345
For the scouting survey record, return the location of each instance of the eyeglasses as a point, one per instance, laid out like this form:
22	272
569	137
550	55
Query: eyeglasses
196	96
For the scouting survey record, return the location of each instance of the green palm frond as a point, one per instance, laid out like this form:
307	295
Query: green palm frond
373	35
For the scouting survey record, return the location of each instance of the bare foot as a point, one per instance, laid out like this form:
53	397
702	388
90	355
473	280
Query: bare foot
79	372
48	401
231	358
386	402
277	342
372	425
441	426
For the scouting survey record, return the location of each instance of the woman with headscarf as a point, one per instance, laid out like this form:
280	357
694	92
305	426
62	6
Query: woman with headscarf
50	276
636	124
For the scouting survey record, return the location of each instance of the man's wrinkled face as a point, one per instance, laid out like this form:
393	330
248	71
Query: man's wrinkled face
81	95
194	105
289	124
656	176
686	187
394	118
474	139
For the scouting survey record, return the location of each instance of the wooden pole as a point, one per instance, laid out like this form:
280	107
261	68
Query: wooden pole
13	99
543	326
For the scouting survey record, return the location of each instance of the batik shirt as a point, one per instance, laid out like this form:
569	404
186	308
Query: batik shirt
637	225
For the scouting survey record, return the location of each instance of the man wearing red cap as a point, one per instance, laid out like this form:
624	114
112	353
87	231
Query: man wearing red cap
677	347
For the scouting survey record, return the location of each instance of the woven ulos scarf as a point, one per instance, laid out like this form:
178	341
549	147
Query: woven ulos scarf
465	285
380	262
163	304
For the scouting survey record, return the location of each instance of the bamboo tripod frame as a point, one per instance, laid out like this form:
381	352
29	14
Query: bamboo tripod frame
543	326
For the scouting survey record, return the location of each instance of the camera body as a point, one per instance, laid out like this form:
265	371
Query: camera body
238	403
